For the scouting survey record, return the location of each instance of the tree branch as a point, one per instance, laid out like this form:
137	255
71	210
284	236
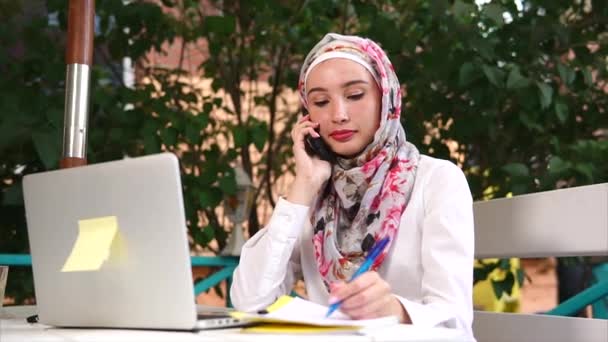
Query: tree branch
272	108
344	17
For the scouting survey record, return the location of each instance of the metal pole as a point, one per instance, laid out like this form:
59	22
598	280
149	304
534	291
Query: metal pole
78	58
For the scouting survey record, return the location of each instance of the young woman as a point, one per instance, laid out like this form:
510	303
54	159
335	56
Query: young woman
379	186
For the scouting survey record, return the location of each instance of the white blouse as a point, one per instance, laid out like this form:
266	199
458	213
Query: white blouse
429	266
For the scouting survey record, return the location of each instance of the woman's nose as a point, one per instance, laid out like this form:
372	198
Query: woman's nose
340	114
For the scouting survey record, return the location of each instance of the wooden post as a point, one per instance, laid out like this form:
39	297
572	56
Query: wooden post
79	59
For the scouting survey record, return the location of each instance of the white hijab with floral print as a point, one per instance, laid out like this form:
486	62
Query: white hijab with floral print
368	193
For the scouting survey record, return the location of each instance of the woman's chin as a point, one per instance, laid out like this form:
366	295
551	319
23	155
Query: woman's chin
352	154
351	149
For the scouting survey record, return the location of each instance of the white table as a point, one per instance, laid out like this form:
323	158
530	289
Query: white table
13	328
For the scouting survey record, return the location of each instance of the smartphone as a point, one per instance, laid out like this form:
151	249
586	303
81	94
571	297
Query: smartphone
318	147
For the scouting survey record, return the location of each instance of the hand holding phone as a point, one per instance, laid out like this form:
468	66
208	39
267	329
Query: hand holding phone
312	173
317	147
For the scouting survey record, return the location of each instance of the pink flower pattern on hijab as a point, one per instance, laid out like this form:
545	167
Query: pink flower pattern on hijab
369	193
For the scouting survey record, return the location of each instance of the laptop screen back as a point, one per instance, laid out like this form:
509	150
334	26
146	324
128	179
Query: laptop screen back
109	245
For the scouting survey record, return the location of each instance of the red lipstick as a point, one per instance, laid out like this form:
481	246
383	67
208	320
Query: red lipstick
342	134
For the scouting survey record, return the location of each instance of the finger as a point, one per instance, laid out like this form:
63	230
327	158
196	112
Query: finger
298	134
374	308
304	118
367	296
349	289
297	128
307	124
309	130
333	287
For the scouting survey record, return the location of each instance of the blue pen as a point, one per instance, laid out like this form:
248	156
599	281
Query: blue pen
367	264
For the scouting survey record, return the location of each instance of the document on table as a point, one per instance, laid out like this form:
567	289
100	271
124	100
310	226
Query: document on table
293	310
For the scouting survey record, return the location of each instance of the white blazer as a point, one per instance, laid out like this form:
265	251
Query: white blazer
429	267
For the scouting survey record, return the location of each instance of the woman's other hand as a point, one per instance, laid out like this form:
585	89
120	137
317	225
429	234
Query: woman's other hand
368	296
311	172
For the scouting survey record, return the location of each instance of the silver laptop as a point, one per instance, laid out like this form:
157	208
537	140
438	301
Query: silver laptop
109	247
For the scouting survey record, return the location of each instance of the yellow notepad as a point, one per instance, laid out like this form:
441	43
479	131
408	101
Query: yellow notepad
297	315
286	328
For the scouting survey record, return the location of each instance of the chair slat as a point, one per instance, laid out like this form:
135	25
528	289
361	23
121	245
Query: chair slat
509	327
567	222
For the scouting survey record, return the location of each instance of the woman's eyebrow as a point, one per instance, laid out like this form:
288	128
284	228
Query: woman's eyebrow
344	85
349	83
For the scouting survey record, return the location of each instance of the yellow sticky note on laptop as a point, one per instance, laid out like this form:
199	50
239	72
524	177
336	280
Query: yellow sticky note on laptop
93	245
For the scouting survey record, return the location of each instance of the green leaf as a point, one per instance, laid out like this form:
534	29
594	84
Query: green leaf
586	169
485	48
239	133
208	232
55	117
210	197
480	274
463	11
150	127
499	288
207	235
516	80
494	12
259	140
228	184
232	154
503	286
168	3
561	110
509	283
519	189
554	141
494	75
13	195
557	165
219	291
530	123
207	107
169	136
467	74
223	25
259	100
151	143
516	170
115	134
258	132
566	73
47	144
520	277
193	135
203	120
11	132
203	236
546	94
588	76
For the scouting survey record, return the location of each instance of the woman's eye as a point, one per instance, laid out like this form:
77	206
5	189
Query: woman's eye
355	97
321	103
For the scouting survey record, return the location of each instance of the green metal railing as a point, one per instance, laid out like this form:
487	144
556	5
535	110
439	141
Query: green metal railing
595	295
226	265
